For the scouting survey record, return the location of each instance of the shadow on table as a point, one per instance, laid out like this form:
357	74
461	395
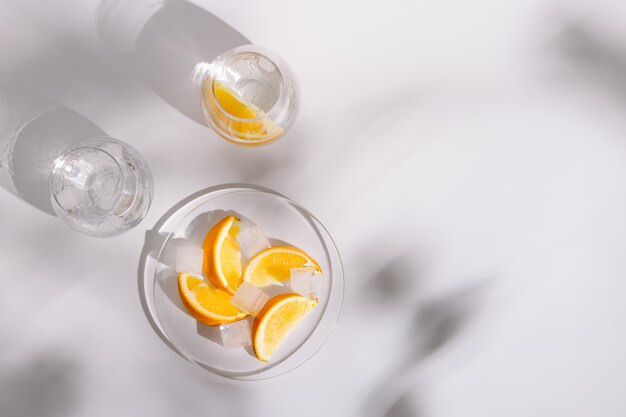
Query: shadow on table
163	42
33	132
47	386
437	323
585	46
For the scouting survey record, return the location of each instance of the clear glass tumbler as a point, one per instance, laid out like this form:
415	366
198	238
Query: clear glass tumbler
101	187
249	95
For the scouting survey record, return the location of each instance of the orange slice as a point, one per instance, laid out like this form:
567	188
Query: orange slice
222	258
279	316
206	303
249	122
273	265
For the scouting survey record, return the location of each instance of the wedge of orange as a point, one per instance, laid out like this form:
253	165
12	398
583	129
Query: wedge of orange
222	257
277	318
206	303
273	265
249	122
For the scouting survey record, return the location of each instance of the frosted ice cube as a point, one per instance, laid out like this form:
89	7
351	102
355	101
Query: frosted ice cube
189	259
304	281
235	334
245	223
69	197
251	238
249	298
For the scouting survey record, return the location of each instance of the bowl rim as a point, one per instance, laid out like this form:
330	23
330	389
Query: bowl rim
164	229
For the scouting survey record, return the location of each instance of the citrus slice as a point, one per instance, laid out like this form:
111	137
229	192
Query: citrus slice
279	316
249	122
273	265
222	258
206	303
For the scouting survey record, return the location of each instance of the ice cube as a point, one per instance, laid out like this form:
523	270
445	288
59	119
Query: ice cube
69	197
251	238
245	223
304	281
189	259
236	334
249	298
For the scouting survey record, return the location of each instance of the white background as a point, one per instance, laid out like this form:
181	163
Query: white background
468	158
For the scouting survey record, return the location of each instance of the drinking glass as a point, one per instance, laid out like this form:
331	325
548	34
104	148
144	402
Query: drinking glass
100	187
249	95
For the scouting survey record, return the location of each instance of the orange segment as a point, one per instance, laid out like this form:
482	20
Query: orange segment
206	303
228	100
222	258
279	316
273	265
253	125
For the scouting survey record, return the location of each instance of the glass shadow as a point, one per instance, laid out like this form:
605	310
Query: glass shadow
164	42
33	132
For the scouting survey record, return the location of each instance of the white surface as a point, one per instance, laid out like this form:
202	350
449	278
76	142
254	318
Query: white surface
468	158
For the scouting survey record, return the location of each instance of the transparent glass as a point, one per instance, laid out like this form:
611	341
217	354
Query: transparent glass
249	95
101	187
285	222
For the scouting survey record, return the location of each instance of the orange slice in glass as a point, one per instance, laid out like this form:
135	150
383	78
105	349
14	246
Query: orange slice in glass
239	119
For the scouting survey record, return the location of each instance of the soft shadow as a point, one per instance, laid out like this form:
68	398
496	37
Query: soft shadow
34	132
594	57
439	321
163	42
437	324
399	281
403	408
44	387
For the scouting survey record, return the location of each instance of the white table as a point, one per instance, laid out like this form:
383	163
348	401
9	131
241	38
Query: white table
468	158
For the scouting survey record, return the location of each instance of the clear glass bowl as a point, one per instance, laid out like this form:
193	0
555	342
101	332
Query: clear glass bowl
283	221
249	95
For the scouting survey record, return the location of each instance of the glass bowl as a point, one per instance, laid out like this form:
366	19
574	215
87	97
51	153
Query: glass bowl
284	222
